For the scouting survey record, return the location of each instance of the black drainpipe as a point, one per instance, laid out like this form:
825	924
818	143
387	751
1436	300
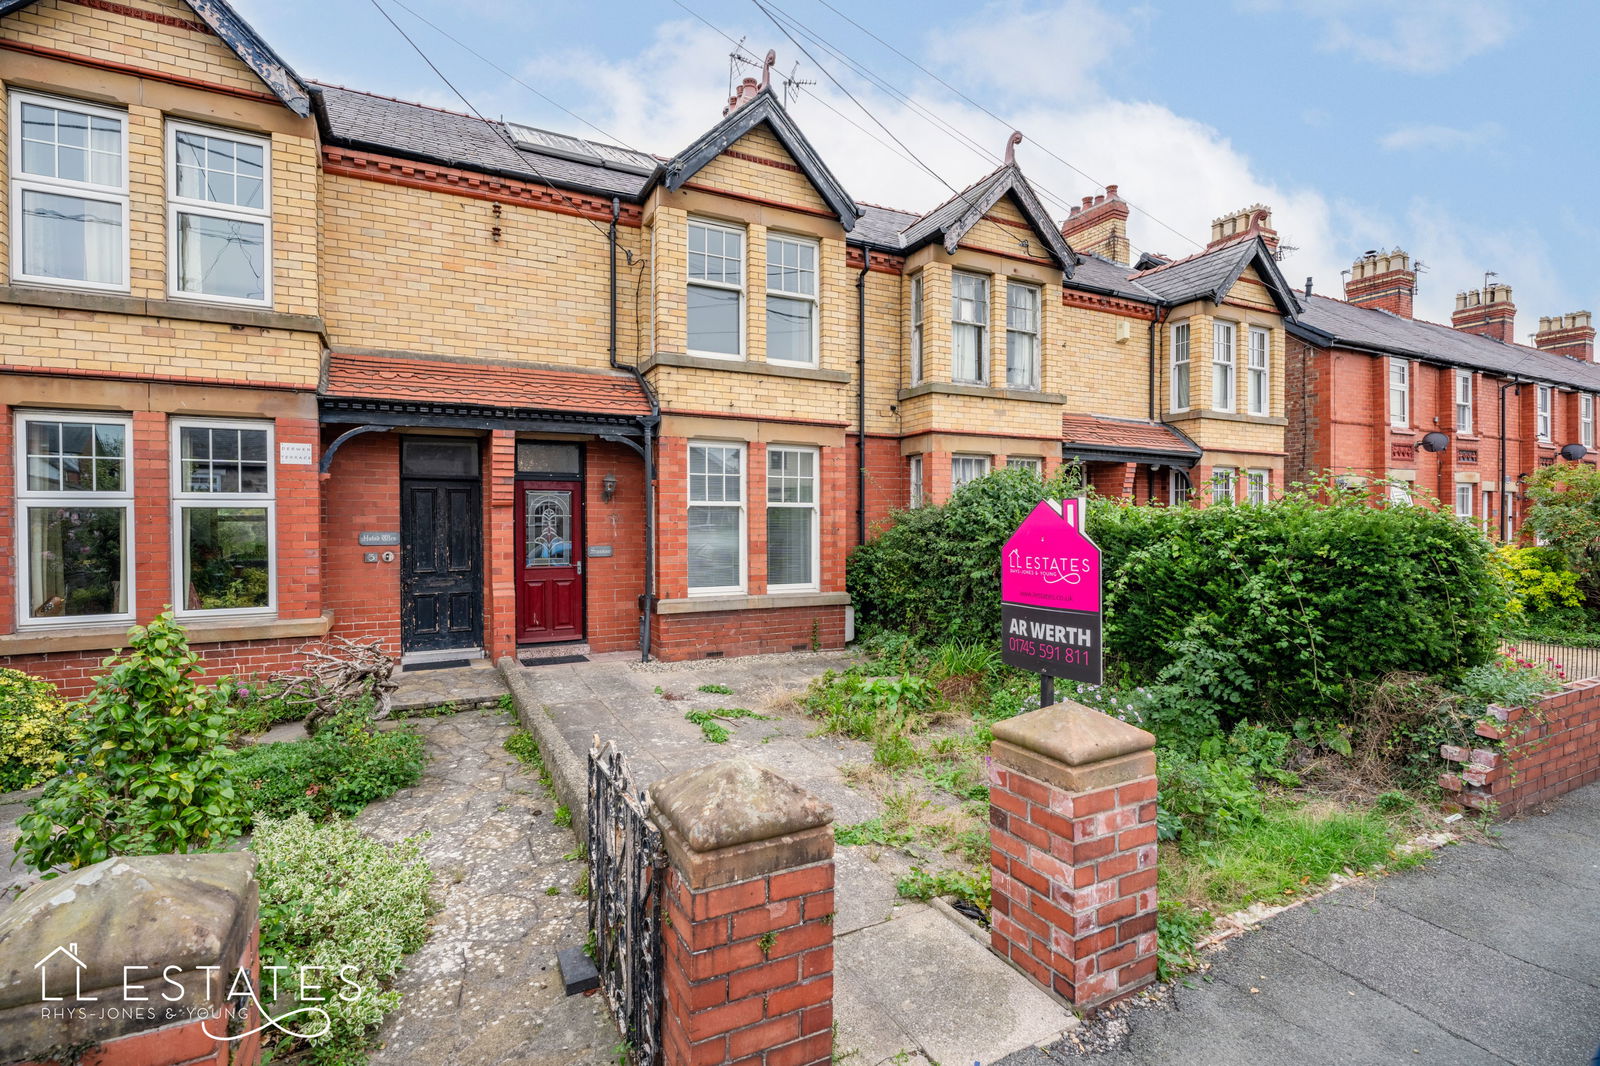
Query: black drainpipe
1500	492
648	424
1159	316
861	394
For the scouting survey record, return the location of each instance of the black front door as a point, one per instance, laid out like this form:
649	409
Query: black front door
441	566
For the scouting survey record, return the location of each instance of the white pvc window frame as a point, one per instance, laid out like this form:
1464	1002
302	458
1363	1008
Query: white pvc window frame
187	498
1027	462
740	505
1224	484
969	316
965	469
1544	414
1464	405
1024	332
1399	392
1224	366
26	498
1586	419
812	300
1258	374
23	183
1258	486
1181	366
178	206
812	506
917	332
742	328
1465	491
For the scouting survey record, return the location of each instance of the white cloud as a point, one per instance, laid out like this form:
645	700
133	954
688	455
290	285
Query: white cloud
1439	138
1416	36
1044	53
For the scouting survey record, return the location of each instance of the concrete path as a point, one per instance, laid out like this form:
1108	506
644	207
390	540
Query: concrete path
1488	955
912	985
485	989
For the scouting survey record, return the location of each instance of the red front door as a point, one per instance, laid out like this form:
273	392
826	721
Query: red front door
549	561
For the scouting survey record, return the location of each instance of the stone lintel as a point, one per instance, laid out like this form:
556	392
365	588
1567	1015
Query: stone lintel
1114	771
1073	735
735	801
745	862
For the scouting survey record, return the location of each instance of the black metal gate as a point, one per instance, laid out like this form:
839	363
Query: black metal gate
626	861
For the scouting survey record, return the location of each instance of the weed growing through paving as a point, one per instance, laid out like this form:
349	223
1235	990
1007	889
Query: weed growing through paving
524	746
563	817
507	704
973	887
713	731
553	890
579	853
716	689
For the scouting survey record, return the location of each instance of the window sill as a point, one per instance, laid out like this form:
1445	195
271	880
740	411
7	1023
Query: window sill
1225	416
744	366
704	604
111	637
950	388
185	310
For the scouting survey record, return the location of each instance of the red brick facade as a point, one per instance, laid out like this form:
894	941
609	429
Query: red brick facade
1529	755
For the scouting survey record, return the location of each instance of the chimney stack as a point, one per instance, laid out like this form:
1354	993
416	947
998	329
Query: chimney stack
1384	280
1570	335
1099	226
743	94
1487	312
1252	221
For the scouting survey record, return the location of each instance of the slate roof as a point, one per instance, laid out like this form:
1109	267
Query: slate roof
1326	321
1102	275
1089	436
954	218
881	226
1209	274
382	377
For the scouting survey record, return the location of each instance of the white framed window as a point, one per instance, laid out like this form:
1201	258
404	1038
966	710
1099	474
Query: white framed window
1180	367
1257	385
1399	392
1224	484
916	329
1543	420
967	468
1224	339
793	558
791	300
223	517
914	477
74	496
1464	493
1463	401
1586	419
1257	486
1399	492
1178	486
716	535
715	315
1022	335
1486	516
1027	462
219	215
969	328
69	193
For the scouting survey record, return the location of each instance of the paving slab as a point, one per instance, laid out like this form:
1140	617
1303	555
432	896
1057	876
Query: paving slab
466	687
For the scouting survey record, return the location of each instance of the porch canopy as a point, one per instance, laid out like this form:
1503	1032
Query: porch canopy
1098	439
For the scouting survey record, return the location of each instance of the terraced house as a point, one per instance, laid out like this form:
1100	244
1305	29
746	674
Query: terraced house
298	360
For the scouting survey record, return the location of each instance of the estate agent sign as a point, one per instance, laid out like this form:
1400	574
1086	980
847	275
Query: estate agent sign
1050	596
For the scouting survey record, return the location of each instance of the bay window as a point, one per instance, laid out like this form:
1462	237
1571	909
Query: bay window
916	329
1027	462
1223	355
69	193
716	533
1180	367
74	492
914	476
967	468
222	516
969	328
219	215
1022	336
791	518
1224	484
716	290
1256	387
1258	486
791	301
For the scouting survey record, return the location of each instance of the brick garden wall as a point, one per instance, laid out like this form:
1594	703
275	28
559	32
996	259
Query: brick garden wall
756	632
1529	755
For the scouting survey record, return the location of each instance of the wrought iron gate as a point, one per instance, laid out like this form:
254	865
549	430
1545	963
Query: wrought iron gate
625	873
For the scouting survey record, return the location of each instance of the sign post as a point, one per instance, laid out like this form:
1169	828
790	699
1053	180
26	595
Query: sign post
1050	598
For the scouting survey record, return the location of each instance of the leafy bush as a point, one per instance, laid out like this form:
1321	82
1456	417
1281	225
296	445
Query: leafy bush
870	708
1542	586
935	574
151	771
1507	682
36	728
1200	801
334	898
258	705
347	765
1564	512
971	887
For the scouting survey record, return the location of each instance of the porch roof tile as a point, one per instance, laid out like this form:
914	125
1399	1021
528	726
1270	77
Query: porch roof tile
385	377
1122	434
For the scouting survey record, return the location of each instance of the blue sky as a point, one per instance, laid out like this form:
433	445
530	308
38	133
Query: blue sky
1460	130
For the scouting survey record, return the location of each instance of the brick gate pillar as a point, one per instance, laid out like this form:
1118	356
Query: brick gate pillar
748	934
130	962
1073	845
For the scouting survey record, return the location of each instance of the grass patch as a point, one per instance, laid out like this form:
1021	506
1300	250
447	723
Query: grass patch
712	729
973	887
346	766
524	747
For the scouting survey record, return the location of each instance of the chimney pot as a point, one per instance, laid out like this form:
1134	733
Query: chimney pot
1111	192
1088	201
1383	280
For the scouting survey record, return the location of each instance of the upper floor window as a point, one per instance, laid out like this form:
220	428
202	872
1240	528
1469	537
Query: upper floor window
74	494
1257	385
1463	401
1180	367
69	193
791	300
916	331
716	538
1543	420
967	468
716	289
791	518
1399	392
1223	339
1586	419
969	330
1022	336
219	214
222	504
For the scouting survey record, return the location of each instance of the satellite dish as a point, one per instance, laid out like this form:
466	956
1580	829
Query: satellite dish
1434	442
1573	452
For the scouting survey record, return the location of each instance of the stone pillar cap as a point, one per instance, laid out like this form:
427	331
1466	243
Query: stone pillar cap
146	910
735	801
1073	734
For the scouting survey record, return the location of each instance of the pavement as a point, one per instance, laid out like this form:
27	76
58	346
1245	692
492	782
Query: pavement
913	984
1490	954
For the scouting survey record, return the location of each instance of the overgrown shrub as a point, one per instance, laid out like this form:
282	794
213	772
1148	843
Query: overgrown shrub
151	771
1203	800
258	704
36	729
347	765
1507	682
332	897
1564	512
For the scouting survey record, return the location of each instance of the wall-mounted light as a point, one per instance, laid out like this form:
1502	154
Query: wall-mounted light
608	487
